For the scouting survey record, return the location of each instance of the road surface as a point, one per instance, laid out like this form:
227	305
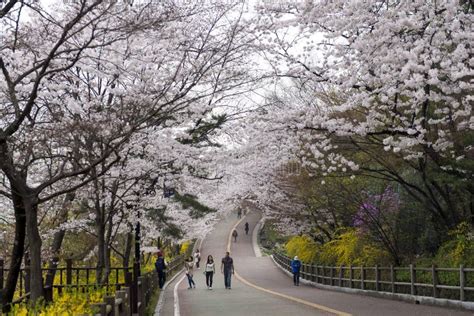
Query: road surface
260	288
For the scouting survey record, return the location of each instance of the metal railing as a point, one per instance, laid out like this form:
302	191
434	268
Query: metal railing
448	283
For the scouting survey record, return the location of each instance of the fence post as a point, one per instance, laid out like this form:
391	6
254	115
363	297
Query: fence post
110	300
68	271
135	288
462	283
120	295
313	276
377	277
141	301
351	276
341	272
332	275
325	281
131	293
48	293
392	278
412	280
101	307
434	277
126	306
362	278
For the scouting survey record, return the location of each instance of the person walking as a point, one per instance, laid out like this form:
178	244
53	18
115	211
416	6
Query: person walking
210	269
197	258
160	266
235	234
246	228
189	265
227	268
295	268
239	213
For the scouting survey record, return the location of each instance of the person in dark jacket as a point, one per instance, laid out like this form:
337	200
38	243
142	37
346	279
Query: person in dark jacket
246	228
227	268
295	268
160	265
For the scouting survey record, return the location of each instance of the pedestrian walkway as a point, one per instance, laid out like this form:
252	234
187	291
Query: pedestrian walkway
266	290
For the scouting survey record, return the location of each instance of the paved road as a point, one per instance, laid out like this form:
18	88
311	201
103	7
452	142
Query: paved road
265	290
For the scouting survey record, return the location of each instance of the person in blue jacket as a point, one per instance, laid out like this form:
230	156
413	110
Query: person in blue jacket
295	268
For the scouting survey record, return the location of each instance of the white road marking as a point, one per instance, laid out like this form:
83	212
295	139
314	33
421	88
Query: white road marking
176	296
175	290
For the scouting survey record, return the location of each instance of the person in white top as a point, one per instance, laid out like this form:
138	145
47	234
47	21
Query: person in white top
197	258
189	264
210	270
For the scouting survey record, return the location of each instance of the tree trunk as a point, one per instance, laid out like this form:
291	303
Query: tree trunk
128	248
58	240
34	240
17	251
100	231
105	278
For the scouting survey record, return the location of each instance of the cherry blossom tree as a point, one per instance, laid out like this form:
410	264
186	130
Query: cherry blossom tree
81	81
388	94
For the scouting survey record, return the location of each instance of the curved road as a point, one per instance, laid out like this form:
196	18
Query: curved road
260	288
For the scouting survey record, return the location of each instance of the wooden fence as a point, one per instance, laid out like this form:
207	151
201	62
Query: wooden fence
449	283
69	276
122	303
127	298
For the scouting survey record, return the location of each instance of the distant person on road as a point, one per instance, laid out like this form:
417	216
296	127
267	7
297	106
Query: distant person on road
295	268
235	234
189	265
210	270
246	228
239	213
160	265
227	267
197	258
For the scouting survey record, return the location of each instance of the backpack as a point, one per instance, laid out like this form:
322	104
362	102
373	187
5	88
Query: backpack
160	264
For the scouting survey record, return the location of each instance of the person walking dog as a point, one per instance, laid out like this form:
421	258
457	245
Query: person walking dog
295	268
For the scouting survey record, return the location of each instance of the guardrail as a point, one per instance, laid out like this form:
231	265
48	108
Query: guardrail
399	280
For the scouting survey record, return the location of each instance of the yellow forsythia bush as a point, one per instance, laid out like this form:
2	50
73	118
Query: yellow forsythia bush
69	303
184	247
302	246
350	248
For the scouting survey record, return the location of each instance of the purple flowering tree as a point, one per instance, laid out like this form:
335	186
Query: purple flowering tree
377	218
